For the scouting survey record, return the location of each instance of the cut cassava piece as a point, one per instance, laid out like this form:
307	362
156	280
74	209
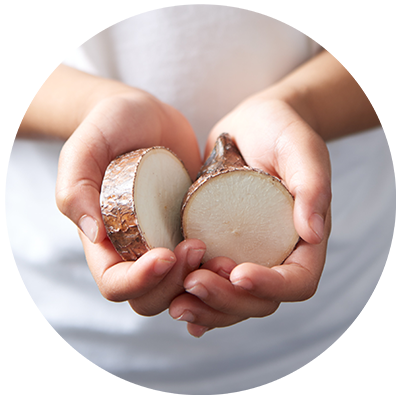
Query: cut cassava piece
238	211
141	199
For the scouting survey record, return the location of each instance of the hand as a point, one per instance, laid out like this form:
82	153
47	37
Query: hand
148	284
119	123
273	137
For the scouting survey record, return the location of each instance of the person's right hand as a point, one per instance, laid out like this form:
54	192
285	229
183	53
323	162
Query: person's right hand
117	124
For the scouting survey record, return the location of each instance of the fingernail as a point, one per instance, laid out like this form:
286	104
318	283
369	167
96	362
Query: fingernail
223	273
198	290
89	227
194	257
244	283
161	266
186	316
316	223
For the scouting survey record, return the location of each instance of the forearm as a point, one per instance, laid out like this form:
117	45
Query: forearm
327	97
64	100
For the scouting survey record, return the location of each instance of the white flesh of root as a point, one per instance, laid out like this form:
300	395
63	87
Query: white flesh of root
244	215
160	185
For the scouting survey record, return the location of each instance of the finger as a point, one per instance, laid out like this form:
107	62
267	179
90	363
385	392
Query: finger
114	127
286	146
221	295
304	165
222	266
189	254
123	280
289	282
82	163
191	309
197	330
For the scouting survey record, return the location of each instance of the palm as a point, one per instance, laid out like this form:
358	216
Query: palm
114	126
270	136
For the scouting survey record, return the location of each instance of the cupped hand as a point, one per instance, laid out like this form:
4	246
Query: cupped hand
273	137
117	124
148	284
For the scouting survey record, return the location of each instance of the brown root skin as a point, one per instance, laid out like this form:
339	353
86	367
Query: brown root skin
118	208
224	155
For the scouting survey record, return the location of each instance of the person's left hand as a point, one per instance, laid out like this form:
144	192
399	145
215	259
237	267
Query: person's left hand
273	137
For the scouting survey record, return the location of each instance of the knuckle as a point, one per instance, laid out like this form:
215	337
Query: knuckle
64	200
109	288
326	194
269	308
109	293
214	320
309	290
70	196
144	308
329	193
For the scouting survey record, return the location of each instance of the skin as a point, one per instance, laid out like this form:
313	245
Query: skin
281	130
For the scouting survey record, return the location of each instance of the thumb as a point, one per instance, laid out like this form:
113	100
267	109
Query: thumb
81	167
311	212
308	177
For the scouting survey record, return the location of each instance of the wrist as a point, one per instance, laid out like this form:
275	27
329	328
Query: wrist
327	97
97	91
65	100
299	98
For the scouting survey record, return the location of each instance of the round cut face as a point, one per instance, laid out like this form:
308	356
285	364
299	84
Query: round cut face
244	215
160	185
